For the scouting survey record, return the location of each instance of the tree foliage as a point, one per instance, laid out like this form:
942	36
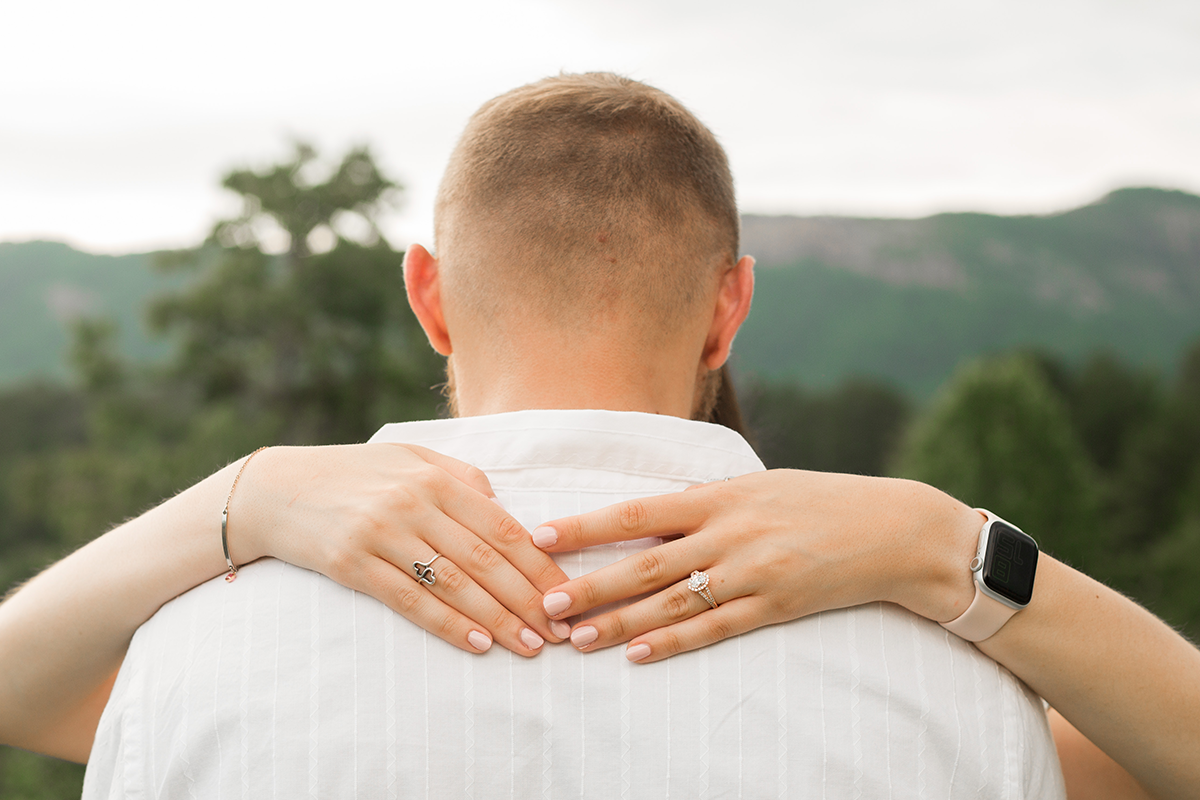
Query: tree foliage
292	327
1101	464
853	428
323	342
999	436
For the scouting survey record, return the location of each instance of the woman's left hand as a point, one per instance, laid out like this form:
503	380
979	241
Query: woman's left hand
776	545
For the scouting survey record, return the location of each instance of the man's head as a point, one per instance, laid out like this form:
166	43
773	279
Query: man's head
589	208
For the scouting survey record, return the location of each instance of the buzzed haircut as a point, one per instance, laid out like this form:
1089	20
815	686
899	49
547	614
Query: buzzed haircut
584	194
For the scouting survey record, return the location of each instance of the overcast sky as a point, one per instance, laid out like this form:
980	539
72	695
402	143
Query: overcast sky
117	118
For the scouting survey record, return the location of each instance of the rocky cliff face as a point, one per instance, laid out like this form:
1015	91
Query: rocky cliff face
1133	241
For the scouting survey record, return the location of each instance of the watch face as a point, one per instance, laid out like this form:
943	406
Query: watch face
1009	563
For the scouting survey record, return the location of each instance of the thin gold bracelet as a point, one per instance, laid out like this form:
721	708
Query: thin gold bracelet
232	575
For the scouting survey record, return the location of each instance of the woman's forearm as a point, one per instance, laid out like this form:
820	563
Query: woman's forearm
356	513
1120	675
1127	681
63	635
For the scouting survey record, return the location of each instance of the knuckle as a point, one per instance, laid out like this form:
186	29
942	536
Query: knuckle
509	532
446	624
370	519
588	592
633	516
406	601
548	574
474	475
669	643
678	606
452	579
530	607
498	619
485	557
401	501
615	628
650	567
343	561
718	628
430	476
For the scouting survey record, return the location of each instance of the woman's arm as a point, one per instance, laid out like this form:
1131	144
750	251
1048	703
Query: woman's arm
350	512
783	544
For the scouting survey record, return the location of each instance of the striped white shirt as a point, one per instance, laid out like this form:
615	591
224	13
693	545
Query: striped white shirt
284	684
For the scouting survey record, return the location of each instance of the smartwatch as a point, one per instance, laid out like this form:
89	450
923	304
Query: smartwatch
1003	567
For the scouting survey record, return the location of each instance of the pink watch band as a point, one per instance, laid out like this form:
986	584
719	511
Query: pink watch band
985	615
982	618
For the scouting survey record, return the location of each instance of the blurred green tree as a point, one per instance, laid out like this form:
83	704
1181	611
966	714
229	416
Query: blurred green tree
852	428
998	436
319	337
1162	460
292	327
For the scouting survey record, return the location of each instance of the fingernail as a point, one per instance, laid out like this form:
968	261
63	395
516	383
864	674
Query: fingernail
556	602
637	652
531	639
544	536
496	500
560	629
479	641
582	637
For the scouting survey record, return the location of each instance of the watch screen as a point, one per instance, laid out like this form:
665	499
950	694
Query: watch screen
1009	563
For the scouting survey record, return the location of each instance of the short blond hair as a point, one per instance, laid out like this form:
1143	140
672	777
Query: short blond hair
585	193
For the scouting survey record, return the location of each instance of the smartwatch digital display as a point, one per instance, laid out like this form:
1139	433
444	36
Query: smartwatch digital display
1004	566
1009	563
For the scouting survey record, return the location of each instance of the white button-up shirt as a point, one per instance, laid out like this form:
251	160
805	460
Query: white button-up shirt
284	684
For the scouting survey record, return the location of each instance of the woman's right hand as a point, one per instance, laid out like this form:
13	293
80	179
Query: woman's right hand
363	514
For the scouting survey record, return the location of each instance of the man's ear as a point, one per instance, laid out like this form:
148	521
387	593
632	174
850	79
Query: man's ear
733	304
423	282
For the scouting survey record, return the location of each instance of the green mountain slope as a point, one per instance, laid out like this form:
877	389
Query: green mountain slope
907	300
904	300
46	285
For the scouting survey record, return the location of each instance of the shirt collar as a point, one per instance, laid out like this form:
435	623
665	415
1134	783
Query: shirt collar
529	446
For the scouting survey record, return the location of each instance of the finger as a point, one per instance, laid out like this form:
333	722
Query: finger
493	525
456	589
709	627
663	515
385	583
470	475
492	570
670	606
640	573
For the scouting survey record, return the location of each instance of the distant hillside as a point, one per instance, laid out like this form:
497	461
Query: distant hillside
904	300
46	285
907	300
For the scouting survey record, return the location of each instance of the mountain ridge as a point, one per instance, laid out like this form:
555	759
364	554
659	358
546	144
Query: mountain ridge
903	300
909	300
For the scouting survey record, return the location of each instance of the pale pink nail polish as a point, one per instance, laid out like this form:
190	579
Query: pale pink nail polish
637	652
582	637
531	639
479	641
544	536
556	602
560	629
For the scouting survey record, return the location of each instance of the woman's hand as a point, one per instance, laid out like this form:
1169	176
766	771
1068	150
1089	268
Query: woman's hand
363	514
360	514
776	545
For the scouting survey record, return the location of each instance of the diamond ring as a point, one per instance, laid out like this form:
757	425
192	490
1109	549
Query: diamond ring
698	583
